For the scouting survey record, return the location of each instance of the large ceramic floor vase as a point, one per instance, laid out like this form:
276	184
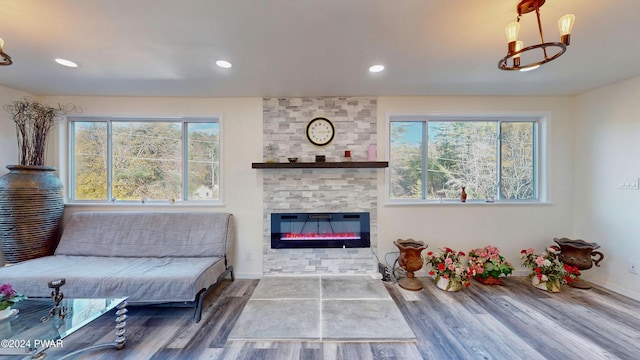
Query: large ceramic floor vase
410	260
31	206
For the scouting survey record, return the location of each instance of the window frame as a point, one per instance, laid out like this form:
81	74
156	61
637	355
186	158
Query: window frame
183	124
540	163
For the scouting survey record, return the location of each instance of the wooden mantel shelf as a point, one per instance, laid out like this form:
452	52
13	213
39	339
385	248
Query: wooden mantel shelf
322	165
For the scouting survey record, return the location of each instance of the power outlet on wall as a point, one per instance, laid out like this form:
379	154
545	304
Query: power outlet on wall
248	256
634	267
630	183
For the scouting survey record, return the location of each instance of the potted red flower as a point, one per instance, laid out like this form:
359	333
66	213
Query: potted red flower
449	269
547	271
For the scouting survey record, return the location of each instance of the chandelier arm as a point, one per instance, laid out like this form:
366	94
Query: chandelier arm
544	49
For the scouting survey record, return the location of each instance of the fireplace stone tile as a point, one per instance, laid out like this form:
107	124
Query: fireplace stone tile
353	287
363	320
279	319
284	287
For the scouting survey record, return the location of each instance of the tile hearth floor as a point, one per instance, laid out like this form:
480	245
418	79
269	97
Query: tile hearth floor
316	308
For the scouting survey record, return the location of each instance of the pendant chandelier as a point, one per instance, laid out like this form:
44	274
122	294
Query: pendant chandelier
537	54
6	59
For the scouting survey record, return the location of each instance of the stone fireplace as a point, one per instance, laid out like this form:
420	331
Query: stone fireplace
324	190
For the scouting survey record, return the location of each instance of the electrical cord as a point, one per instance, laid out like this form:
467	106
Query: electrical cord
395	263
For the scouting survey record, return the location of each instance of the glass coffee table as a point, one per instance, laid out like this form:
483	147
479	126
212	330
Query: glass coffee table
36	325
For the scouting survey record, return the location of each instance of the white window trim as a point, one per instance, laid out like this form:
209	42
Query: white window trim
64	160
543	161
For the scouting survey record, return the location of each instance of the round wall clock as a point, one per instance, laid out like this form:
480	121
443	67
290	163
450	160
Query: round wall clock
320	131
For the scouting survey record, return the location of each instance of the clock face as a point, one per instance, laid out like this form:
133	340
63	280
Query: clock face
320	131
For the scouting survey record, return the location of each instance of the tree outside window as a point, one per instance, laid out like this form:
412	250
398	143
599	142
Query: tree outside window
131	160
433	159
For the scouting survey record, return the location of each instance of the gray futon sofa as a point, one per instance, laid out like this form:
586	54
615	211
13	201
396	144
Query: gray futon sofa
150	257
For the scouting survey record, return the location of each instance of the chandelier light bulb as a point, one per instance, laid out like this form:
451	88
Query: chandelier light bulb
1	44
565	25
512	31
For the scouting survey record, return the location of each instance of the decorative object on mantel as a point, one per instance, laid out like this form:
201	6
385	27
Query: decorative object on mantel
321	158
347	156
8	297
31	196
271	153
486	265
578	253
516	49
463	195
410	260
372	152
449	265
547	271
293	159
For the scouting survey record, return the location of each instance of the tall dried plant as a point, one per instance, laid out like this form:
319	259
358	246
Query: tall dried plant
33	122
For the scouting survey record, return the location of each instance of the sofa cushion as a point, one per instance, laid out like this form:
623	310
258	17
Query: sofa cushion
143	280
147	234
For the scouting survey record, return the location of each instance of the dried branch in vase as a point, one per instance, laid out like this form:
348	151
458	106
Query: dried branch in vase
33	121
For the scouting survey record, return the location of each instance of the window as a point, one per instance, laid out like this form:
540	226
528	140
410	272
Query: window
432	159
134	160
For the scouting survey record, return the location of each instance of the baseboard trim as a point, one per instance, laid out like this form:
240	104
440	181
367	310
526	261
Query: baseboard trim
247	276
615	288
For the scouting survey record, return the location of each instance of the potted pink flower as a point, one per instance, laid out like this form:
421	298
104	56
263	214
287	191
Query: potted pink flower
486	265
8	297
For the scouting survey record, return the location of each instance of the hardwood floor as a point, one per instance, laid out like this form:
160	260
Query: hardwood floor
514	321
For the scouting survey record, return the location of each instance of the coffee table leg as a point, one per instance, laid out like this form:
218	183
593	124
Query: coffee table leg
121	325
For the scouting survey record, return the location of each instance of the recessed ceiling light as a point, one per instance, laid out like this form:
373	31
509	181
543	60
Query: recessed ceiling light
67	63
376	68
224	64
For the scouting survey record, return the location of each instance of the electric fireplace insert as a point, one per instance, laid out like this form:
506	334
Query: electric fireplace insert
320	230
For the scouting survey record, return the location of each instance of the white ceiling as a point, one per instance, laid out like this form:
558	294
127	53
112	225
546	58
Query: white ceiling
307	47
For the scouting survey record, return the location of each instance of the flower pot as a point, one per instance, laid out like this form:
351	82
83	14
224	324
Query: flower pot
410	260
31	207
554	286
443	284
6	313
490	280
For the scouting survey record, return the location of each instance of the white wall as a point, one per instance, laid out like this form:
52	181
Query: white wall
607	150
241	144
466	226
